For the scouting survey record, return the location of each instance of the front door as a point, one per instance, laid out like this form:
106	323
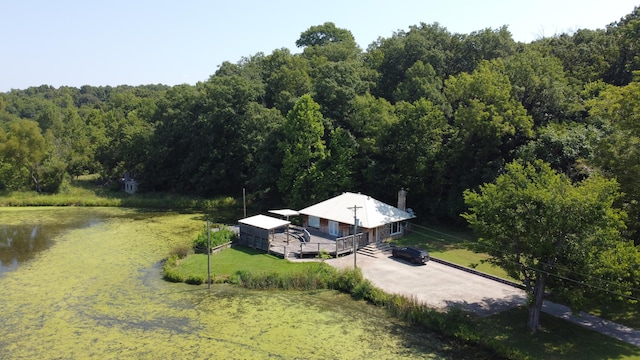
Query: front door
333	228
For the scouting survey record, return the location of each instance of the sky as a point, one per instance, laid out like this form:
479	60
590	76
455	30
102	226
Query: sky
136	42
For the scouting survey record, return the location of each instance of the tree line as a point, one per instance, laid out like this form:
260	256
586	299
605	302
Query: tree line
427	110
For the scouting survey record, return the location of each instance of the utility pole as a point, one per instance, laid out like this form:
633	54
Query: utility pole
208	254
355	231
244	201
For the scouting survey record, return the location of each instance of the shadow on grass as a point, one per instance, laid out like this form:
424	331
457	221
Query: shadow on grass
489	306
558	339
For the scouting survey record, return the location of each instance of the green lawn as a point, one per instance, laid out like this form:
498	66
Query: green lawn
558	339
449	245
229	261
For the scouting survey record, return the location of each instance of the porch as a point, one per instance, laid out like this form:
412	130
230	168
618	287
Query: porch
305	242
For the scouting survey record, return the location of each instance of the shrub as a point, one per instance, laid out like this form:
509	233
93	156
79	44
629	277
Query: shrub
194	280
218	237
346	280
181	251
172	276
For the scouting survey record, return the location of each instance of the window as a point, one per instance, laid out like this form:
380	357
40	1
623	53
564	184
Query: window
396	228
333	228
314	222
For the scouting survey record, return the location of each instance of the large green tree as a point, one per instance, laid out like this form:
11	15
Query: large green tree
617	110
303	148
23	147
554	236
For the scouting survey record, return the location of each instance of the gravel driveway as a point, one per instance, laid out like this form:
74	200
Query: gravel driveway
435	284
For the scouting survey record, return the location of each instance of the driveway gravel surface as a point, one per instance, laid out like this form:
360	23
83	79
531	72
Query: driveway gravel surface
435	284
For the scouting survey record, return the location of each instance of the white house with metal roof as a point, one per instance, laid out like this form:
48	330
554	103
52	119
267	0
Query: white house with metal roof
376	220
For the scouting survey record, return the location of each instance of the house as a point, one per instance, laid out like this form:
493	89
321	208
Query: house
130	184
376	220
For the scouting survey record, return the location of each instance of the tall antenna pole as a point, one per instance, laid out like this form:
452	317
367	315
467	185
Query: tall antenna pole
244	201
355	231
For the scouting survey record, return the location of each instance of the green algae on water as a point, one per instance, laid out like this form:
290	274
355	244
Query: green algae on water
97	293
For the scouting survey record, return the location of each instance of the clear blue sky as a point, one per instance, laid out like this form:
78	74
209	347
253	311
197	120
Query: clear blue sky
87	42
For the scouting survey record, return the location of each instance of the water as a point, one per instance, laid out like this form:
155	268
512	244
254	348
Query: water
86	283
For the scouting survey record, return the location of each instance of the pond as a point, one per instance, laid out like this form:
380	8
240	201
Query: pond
86	283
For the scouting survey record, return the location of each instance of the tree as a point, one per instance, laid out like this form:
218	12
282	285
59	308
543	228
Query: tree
487	44
539	83
618	151
549	233
368	121
303	148
24	147
421	82
409	148
329	41
488	125
286	79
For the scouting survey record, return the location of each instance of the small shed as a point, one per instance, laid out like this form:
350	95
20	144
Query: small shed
258	231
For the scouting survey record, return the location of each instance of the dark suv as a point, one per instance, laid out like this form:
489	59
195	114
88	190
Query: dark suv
414	255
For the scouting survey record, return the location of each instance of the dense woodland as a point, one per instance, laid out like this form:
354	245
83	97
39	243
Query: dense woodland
429	110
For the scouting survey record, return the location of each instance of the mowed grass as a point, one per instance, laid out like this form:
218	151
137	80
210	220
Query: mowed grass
449	245
558	339
229	261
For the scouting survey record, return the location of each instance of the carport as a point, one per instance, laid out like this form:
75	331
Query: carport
258	231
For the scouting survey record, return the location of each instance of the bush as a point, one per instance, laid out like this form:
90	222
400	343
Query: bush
169	272
195	280
346	280
172	276
218	237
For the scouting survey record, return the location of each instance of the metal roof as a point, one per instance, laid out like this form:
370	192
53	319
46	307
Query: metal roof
264	222
285	212
371	212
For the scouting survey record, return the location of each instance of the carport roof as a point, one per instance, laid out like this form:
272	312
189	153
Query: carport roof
264	222
285	212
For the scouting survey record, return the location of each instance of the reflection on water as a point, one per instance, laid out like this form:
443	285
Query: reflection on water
96	292
21	242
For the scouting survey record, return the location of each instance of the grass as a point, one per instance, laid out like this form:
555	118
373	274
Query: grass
625	314
449	245
558	339
228	262
505	333
84	191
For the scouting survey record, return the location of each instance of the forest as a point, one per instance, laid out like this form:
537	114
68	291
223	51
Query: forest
431	111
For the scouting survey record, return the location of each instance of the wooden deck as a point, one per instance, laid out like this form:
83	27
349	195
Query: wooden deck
296	244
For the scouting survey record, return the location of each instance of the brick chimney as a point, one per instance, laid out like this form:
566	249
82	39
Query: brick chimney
402	199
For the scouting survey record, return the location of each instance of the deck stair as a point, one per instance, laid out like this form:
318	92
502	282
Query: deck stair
375	249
